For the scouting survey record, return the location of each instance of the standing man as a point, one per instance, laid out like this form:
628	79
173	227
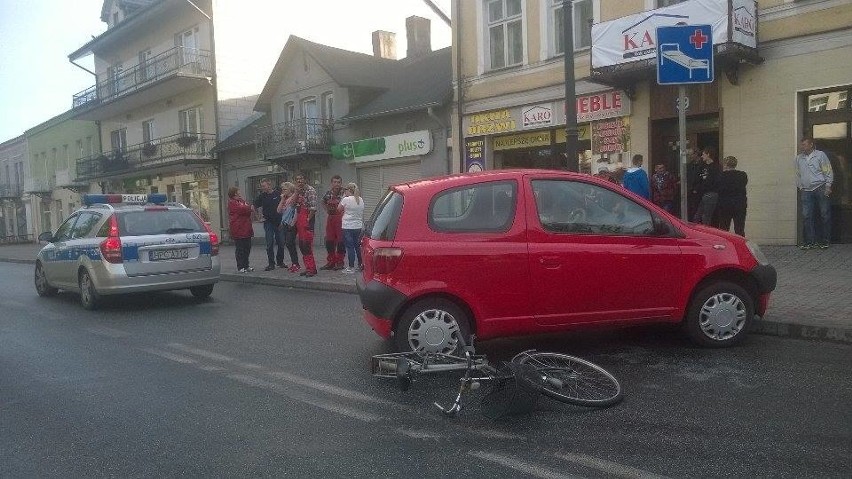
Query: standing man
267	205
706	186
693	168
334	245
664	187
636	180
306	209
814	177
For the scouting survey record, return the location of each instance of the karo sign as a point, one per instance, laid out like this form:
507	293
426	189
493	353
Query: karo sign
684	54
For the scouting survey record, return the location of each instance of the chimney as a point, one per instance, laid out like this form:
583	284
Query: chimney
417	30
384	44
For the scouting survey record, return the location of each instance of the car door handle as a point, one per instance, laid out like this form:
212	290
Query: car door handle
550	262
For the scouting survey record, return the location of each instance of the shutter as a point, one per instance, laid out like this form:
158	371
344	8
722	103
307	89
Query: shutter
375	180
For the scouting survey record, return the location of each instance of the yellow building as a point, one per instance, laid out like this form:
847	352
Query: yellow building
782	71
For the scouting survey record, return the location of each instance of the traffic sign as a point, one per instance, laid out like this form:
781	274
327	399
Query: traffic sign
684	54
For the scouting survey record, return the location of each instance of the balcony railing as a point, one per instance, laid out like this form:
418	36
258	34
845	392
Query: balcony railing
183	148
11	191
293	138
178	60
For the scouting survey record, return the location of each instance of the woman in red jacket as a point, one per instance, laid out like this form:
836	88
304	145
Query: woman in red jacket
239	215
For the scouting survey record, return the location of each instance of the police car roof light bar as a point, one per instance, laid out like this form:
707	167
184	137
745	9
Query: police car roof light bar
92	199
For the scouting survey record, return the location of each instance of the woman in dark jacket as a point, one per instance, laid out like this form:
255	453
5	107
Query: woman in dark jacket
732	196
239	216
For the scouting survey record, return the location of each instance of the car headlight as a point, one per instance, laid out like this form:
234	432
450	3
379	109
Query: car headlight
757	253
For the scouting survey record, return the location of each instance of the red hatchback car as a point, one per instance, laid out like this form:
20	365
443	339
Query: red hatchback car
515	252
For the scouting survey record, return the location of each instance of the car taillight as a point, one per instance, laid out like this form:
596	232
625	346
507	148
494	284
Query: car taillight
385	260
111	247
214	239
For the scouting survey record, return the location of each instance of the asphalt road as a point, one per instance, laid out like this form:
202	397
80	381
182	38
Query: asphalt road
266	381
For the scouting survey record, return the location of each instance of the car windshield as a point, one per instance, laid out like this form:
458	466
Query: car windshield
140	223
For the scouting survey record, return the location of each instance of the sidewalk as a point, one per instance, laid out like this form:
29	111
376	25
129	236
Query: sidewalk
813	299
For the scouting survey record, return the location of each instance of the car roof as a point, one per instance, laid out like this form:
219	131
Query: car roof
461	179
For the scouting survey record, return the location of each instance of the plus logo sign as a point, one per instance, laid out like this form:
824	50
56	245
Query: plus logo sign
698	39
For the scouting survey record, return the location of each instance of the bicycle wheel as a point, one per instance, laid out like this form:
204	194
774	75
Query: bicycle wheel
573	380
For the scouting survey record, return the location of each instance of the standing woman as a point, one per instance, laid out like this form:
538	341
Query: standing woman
352	207
287	208
732	196
239	224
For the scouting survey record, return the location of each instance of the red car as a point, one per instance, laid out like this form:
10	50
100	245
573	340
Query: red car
515	252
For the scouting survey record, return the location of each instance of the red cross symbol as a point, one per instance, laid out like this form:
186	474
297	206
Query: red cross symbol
698	39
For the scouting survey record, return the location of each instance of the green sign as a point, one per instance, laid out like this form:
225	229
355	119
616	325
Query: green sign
348	151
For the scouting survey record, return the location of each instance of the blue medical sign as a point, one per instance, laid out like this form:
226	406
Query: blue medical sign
684	54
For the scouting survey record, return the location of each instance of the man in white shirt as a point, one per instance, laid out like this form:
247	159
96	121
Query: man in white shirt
814	178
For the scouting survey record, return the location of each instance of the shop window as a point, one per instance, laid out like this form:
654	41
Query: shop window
583	14
328	106
835	100
504	33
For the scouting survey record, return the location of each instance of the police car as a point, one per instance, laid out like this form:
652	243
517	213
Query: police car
119	244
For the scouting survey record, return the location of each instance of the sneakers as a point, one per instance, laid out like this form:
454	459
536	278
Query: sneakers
807	246
327	267
337	267
249	269
242	270
271	267
308	274
823	246
282	265
348	270
294	268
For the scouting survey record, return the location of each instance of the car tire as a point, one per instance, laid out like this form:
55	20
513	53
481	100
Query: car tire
42	286
89	297
432	325
202	292
719	315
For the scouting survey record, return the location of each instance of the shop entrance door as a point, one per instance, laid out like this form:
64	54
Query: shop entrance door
828	120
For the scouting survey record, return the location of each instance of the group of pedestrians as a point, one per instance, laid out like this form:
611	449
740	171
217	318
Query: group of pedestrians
288	214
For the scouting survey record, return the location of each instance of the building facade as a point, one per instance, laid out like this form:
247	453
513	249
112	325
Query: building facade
780	74
171	77
15	218
52	190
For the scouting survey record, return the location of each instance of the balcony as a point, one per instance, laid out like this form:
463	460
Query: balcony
172	72
40	186
159	155
67	178
305	138
11	191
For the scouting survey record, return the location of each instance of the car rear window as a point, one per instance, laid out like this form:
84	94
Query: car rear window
141	223
385	219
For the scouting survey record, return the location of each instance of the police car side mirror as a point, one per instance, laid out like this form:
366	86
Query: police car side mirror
46	237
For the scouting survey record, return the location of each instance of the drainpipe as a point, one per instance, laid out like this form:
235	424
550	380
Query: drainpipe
431	112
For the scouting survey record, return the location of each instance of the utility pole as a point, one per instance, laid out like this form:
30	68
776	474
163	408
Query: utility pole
571	134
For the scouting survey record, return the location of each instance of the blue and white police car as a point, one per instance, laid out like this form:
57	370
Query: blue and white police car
118	244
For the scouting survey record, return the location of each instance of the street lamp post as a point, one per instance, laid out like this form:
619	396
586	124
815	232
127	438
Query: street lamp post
571	134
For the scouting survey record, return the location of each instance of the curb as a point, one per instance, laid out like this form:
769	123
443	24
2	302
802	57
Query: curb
758	326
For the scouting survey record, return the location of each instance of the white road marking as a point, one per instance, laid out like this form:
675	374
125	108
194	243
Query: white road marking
325	405
170	356
419	434
612	468
108	332
202	353
533	470
492	434
330	389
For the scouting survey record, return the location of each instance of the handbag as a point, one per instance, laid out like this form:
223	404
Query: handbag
288	216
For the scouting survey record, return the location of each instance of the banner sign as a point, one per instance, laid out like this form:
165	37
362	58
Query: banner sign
395	146
633	38
522	140
608	104
474	154
537	116
611	136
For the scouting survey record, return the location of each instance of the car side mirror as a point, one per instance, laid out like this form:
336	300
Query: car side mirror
662	227
46	237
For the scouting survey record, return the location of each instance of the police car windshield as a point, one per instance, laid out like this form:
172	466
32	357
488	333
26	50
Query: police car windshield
141	223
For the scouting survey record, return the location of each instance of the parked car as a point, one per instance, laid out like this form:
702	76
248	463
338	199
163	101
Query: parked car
516	252
119	244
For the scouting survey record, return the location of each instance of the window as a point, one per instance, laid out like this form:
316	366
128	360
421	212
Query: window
118	139
582	27
505	33
190	120
79	149
116	79
85	222
146	65
482	207
328	106
309	108
148	133
582	208
834	100
63	233
60	213
289	112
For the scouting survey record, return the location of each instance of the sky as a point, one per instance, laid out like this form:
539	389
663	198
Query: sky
37	82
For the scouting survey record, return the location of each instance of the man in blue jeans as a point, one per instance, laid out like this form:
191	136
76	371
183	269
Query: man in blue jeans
267	204
814	178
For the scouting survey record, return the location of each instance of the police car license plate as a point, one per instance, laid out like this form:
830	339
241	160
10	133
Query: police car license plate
167	254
